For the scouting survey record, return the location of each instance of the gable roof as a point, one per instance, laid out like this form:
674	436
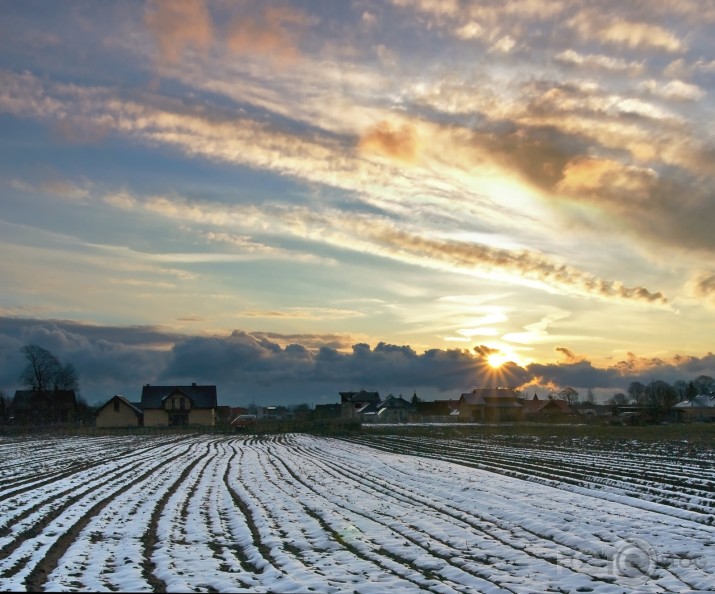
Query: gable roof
361	396
396	402
491	396
700	401
534	406
28	399
133	407
201	396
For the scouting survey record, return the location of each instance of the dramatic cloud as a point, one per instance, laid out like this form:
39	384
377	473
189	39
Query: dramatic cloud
270	368
334	175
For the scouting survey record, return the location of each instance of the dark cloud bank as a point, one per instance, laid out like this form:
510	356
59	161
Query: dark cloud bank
258	368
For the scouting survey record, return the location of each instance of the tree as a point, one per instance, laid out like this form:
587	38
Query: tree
659	395
704	384
619	399
415	398
681	389
66	378
45	373
590	398
636	391
41	369
569	395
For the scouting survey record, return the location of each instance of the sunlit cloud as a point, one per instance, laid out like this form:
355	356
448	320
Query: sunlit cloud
554	156
178	25
599	61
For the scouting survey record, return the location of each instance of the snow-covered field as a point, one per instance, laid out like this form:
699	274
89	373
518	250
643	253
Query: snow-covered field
378	513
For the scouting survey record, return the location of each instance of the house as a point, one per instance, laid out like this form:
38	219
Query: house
355	404
395	409
327	411
119	412
699	408
179	406
243	421
490	405
38	407
552	409
438	411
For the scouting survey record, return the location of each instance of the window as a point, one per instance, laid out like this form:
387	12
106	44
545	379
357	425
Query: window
173	403
182	404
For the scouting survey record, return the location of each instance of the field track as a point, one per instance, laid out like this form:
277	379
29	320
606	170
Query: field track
296	513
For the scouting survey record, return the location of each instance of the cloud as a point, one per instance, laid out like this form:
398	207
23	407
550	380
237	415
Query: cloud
525	264
599	61
622	32
178	25
702	286
568	353
273	33
674	90
271	368
398	142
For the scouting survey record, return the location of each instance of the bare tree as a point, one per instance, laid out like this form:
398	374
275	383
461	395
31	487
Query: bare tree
45	373
636	391
66	378
619	399
704	384
590	397
569	395
41	369
659	395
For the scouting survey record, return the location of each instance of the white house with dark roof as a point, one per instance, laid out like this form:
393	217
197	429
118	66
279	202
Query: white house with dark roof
179	406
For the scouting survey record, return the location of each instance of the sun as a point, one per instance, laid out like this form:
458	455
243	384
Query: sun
496	360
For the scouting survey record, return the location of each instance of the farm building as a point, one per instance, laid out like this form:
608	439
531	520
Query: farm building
119	412
356	403
547	410
700	408
179	406
33	406
491	405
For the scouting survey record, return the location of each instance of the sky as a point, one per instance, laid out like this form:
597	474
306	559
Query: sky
293	199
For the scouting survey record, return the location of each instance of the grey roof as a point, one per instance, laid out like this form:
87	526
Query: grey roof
700	401
361	396
201	396
396	402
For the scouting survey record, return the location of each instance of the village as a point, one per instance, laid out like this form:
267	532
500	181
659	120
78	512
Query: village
198	406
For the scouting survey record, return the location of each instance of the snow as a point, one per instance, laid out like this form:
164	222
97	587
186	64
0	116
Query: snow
298	513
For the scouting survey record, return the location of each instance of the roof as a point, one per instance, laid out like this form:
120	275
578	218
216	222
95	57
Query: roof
27	399
134	407
535	406
361	396
201	396
489	396
396	402
700	401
